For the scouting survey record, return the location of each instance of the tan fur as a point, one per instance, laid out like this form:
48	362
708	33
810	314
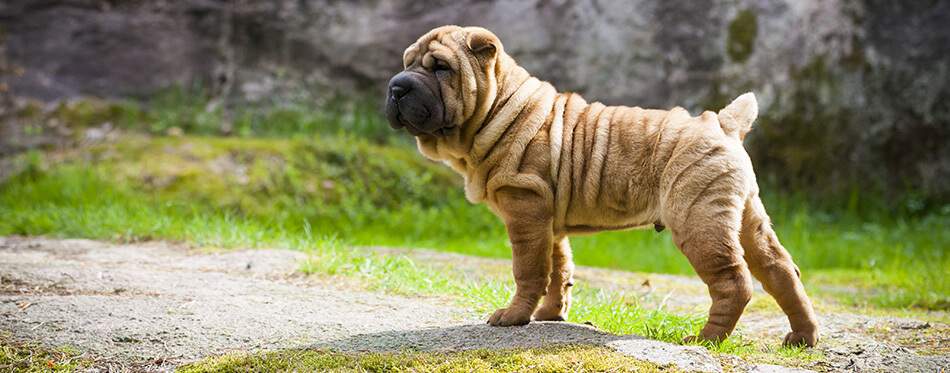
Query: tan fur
553	165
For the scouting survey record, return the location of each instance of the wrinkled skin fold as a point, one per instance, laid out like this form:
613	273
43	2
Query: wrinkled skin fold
551	165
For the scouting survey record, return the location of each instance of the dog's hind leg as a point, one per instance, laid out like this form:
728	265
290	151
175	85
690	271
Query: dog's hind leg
704	222
557	301
771	264
716	256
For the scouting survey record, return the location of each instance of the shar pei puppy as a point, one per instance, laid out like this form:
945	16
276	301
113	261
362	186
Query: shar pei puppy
551	165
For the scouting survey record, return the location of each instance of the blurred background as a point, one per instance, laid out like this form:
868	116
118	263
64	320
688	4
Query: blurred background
212	121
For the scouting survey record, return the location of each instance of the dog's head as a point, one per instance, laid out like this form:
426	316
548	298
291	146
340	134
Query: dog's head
448	79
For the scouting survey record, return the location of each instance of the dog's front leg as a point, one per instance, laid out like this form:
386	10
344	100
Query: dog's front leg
557	301
529	219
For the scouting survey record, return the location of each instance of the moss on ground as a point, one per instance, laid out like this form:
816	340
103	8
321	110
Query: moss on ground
577	358
16	356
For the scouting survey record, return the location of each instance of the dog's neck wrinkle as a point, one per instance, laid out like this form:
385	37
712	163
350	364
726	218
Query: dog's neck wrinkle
505	113
510	83
518	99
500	144
458	148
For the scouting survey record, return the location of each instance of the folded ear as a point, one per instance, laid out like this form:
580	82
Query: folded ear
410	54
483	43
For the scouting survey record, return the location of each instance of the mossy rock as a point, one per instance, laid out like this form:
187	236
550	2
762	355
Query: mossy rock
741	37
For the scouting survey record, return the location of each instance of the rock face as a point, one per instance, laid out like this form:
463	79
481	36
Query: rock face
849	90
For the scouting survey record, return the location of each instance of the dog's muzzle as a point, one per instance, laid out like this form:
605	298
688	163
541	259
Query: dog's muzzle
413	104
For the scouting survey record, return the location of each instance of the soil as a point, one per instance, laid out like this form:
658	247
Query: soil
155	306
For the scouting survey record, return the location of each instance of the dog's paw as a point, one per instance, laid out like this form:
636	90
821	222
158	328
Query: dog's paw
552	318
809	339
692	339
554	314
503	317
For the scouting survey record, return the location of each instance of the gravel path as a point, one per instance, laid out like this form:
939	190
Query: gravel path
165	305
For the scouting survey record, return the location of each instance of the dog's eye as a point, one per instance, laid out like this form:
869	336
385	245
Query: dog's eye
442	66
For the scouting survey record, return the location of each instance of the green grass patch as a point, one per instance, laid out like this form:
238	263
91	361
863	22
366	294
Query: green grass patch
615	312
169	187
193	111
574	358
27	357
887	291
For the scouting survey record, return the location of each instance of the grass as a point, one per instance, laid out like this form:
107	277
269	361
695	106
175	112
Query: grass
612	311
344	187
575	358
27	357
195	112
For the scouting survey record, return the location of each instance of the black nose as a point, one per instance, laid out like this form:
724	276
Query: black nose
398	92
400	85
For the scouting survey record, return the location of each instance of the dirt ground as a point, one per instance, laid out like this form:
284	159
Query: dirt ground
155	306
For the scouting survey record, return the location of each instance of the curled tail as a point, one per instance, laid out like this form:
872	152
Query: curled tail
736	118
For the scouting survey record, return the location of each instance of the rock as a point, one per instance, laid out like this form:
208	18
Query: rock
848	89
690	358
769	368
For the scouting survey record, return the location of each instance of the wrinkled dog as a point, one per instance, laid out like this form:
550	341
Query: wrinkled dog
552	165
